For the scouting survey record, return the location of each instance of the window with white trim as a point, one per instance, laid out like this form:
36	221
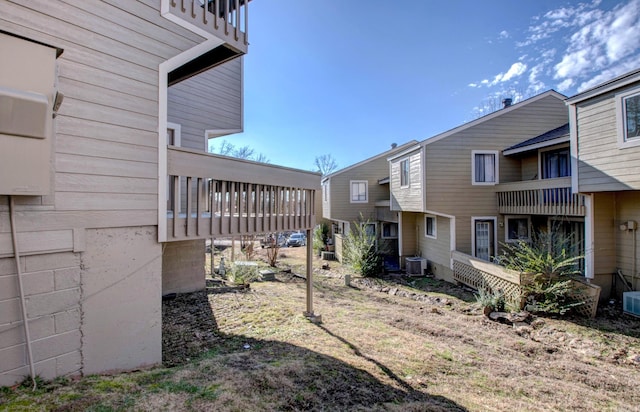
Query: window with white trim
484	167
430	226
628	112
404	173
359	191
389	230
517	228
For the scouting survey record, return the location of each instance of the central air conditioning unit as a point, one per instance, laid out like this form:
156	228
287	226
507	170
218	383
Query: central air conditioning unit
631	303
416	266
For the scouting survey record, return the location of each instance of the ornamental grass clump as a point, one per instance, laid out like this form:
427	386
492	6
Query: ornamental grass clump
361	252
548	258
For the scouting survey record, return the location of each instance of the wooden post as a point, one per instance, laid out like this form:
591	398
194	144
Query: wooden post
309	313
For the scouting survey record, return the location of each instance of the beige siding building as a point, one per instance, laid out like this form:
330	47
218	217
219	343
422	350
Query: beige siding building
445	189
605	144
106	198
358	193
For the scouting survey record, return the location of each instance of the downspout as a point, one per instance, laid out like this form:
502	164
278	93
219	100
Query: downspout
23	305
210	42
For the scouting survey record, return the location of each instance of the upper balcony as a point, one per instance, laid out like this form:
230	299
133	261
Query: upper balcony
551	197
227	20
217	196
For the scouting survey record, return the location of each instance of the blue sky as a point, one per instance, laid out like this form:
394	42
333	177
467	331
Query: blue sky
350	77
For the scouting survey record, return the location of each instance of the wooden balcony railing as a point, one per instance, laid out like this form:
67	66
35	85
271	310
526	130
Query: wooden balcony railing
225	19
551	197
213	196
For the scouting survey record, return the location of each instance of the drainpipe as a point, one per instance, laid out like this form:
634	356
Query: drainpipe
23	305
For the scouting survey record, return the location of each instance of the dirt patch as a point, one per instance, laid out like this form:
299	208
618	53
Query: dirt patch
423	345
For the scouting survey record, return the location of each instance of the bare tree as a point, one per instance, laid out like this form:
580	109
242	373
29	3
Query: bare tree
245	152
325	164
497	101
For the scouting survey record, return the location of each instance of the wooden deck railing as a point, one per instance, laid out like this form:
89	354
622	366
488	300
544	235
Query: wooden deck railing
480	274
212	196
551	197
225	19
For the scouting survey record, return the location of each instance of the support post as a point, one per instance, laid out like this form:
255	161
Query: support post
309	313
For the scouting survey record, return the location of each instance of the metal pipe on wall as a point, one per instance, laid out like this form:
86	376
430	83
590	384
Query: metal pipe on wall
23	305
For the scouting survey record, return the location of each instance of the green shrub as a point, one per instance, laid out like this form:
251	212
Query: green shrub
492	300
549	260
242	274
320	237
360	251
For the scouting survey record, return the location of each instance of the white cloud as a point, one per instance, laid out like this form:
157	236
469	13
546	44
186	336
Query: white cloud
503	34
580	45
515	70
565	84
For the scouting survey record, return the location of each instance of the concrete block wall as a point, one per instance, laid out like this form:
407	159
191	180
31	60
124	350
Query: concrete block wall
52	289
121	299
183	266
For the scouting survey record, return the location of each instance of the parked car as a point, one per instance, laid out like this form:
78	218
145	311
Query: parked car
297	239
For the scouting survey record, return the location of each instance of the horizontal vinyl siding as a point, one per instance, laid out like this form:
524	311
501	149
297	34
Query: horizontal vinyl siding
605	232
106	142
627	209
408	199
210	100
341	207
436	250
529	168
449	161
602	165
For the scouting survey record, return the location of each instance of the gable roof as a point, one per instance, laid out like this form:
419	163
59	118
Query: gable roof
491	116
620	81
550	138
383	154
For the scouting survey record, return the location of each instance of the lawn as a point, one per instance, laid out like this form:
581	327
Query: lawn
400	344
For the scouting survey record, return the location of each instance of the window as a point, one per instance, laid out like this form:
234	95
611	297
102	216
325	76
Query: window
517	228
359	192
430	226
389	230
325	191
628	111
404	173
556	163
370	229
485	167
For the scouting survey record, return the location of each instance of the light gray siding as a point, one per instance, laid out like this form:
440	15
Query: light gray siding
603	165
105	188
209	100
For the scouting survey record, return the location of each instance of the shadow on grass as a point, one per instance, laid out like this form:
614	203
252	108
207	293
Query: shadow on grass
279	375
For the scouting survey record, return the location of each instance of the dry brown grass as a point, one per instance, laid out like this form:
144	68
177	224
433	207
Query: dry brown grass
375	350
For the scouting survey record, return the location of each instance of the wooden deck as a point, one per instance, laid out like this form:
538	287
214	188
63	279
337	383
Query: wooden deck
225	19
551	197
221	196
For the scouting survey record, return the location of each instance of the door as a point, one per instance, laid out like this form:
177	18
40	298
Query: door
484	239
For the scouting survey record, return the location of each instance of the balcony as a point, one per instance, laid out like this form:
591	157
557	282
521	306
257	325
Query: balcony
217	196
227	20
551	197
